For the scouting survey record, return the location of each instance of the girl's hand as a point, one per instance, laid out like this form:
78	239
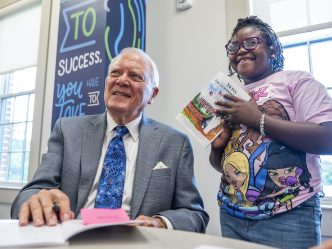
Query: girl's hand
223	138
240	111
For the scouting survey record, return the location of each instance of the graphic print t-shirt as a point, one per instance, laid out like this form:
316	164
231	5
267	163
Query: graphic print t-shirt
262	177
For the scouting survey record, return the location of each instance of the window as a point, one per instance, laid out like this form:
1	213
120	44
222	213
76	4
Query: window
16	112
310	52
19	31
286	15
307	43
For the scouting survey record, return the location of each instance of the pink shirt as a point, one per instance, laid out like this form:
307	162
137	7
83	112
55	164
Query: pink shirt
262	176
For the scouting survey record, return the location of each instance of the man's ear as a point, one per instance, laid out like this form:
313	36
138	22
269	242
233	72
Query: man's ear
154	94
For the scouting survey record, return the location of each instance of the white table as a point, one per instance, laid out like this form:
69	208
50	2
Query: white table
126	237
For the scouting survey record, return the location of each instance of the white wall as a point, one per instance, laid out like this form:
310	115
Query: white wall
188	47
326	222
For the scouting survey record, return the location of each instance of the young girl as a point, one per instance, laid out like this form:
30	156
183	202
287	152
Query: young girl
285	214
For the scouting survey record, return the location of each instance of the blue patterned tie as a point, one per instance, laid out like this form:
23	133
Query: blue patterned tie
111	183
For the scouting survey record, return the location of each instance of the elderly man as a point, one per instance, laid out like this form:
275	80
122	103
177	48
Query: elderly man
151	175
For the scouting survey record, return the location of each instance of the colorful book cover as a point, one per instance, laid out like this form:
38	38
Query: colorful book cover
199	116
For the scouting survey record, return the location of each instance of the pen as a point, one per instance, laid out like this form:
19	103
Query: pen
56	210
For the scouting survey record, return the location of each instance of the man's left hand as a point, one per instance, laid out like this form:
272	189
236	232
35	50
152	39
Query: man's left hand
148	221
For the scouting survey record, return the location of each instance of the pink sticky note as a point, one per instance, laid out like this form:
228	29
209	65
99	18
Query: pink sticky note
103	215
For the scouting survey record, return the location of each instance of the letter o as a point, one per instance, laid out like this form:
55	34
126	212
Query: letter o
93	24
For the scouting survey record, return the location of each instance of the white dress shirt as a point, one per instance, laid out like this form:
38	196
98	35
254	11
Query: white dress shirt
131	146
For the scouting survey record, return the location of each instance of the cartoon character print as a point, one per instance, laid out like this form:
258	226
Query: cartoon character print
236	174
257	197
256	145
234	182
232	193
288	174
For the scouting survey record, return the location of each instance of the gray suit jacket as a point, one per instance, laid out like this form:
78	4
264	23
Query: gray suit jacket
71	162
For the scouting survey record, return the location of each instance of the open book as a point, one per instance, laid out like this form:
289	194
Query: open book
13	235
199	116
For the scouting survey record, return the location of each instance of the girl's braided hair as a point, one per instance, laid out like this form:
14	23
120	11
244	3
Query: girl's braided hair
270	37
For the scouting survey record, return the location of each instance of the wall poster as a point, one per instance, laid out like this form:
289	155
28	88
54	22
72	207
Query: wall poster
91	33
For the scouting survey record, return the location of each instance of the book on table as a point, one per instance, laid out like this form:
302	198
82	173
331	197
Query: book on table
199	115
13	235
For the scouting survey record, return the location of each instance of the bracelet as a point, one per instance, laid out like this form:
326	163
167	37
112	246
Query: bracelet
261	125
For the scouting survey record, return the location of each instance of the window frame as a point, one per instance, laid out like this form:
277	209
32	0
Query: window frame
308	44
9	192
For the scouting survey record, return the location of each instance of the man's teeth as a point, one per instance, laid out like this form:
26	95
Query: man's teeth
119	94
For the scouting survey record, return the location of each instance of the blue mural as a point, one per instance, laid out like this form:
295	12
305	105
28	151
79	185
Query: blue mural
91	33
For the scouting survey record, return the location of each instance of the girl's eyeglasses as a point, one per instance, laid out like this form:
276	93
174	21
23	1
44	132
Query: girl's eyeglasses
249	43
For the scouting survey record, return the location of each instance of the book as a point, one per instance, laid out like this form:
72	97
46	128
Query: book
13	235
199	115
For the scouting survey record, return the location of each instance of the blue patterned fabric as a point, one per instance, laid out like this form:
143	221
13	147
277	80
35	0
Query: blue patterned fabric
111	183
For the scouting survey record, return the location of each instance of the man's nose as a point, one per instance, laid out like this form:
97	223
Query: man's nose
123	79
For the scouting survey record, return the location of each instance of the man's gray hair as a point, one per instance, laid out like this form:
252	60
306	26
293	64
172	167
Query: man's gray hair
153	74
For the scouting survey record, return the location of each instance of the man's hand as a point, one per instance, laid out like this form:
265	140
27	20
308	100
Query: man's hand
151	221
39	208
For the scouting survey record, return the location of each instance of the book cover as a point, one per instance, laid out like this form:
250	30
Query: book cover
199	115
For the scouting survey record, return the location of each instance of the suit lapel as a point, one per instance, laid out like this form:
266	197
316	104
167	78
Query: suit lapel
92	142
149	139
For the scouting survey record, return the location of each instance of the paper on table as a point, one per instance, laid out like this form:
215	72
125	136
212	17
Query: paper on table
14	235
211	247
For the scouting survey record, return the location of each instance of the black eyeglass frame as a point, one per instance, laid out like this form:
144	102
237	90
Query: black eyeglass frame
242	44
